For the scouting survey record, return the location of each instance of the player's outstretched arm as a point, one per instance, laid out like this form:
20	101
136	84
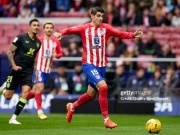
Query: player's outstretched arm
68	31
121	34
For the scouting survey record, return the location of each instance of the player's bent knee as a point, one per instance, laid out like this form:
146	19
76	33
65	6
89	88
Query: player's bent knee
104	88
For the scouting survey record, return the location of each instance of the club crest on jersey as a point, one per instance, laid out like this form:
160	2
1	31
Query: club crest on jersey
102	32
96	40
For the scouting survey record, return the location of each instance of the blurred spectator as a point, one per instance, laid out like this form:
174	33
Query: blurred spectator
111	16
147	19
5	7
130	53
77	6
121	76
12	12
167	20
79	80
176	17
37	7
62	81
132	17
139	46
121	7
160	11
43	7
120	45
111	50
152	47
26	12
137	82
93	3
21	6
169	82
72	51
63	5
165	53
153	83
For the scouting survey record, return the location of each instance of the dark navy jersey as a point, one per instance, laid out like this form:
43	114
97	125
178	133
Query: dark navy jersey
27	49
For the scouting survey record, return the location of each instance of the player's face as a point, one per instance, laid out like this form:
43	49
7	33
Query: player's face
34	27
97	18
48	29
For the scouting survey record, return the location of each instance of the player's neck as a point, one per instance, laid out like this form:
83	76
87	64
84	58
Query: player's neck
47	37
94	25
32	35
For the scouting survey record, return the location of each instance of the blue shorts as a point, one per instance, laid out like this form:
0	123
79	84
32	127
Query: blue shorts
42	77
94	74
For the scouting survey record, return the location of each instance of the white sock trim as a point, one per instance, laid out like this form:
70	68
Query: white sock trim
14	116
39	111
106	119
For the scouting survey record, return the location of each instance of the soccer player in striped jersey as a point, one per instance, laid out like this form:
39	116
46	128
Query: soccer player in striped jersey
50	48
94	37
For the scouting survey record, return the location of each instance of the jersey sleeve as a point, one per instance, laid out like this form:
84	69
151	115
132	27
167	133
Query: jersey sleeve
71	30
58	50
111	31
17	41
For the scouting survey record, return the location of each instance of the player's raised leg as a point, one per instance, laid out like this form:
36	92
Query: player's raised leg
83	99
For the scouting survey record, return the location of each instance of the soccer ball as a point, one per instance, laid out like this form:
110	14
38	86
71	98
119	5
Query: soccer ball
153	126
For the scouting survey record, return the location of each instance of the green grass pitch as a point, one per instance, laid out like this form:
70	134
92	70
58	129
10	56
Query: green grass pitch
83	124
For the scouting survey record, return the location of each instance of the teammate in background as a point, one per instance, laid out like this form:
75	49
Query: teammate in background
21	54
50	48
94	37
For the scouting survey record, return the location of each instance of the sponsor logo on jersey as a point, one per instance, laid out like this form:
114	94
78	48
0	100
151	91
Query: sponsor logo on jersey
26	41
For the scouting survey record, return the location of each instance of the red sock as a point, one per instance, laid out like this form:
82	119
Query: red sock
30	95
38	98
103	101
82	100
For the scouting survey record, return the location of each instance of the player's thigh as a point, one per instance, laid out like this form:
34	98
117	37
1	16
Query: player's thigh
42	78
12	83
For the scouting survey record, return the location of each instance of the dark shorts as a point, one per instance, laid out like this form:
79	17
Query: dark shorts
15	79
94	74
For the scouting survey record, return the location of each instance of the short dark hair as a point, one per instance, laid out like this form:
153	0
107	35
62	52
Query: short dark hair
33	20
94	10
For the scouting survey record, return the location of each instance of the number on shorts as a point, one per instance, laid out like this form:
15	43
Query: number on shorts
94	72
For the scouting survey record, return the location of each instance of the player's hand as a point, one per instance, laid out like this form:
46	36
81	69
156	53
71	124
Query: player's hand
138	34
57	35
17	68
54	55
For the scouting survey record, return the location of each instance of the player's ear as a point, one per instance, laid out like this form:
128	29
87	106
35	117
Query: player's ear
92	16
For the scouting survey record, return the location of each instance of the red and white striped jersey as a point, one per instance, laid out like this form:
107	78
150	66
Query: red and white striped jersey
44	56
94	41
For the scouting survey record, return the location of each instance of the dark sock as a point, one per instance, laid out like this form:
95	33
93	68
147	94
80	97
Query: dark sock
20	105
